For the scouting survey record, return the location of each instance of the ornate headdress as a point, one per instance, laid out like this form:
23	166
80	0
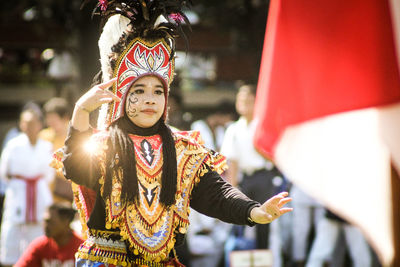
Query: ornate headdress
138	39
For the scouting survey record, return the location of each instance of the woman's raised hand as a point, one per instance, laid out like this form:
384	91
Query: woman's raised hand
97	96
90	101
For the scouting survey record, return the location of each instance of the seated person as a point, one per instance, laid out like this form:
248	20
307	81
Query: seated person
59	244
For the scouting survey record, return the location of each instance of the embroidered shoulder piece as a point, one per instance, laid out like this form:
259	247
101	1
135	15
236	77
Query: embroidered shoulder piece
194	144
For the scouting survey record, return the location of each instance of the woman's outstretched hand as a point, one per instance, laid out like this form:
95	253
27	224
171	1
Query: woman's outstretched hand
272	209
97	96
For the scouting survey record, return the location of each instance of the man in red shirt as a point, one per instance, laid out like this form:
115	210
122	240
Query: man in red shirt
58	246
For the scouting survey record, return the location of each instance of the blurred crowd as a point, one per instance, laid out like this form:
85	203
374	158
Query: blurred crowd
37	208
39	225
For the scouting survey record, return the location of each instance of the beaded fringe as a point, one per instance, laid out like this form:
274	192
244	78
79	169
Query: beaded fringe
122	261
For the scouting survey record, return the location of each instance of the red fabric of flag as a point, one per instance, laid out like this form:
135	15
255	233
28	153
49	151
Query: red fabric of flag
321	58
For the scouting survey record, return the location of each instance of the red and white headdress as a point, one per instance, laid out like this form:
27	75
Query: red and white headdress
138	39
141	58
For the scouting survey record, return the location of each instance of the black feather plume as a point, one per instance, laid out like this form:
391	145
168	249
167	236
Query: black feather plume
143	15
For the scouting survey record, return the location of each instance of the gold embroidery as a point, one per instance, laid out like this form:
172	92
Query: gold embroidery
147	225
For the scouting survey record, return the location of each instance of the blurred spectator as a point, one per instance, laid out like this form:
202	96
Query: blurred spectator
59	244
244	160
248	170
213	127
24	165
306	214
57	114
280	238
328	230
15	131
206	238
206	235
176	116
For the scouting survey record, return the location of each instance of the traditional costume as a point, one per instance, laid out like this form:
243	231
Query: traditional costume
135	204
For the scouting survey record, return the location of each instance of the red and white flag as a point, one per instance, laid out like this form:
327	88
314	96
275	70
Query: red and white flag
328	106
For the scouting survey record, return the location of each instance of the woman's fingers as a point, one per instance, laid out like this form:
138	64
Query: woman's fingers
276	199
285	210
107	84
282	194
106	99
105	96
112	95
274	207
284	201
279	211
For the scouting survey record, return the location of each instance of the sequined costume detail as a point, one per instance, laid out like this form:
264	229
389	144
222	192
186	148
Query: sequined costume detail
146	226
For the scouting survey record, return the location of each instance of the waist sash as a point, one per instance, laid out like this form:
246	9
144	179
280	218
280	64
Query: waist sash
31	196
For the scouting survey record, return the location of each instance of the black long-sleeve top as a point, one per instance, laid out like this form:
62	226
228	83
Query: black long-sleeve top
212	195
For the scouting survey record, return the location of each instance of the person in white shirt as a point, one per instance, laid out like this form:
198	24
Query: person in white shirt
24	166
247	168
206	235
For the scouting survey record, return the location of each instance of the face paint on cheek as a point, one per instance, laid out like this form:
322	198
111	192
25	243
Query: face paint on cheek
131	110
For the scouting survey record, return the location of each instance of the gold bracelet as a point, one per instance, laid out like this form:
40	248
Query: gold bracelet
83	108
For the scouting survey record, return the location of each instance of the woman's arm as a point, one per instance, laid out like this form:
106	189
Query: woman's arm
214	197
80	165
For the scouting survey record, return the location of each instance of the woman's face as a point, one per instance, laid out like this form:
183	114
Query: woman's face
145	101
